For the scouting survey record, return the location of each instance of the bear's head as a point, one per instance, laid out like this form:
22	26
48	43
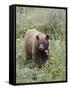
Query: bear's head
43	44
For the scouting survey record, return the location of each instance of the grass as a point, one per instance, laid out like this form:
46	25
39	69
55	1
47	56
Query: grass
48	21
53	70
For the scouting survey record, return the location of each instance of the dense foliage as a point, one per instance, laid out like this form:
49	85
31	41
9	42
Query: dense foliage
48	21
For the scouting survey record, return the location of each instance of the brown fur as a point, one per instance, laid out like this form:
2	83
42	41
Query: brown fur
31	51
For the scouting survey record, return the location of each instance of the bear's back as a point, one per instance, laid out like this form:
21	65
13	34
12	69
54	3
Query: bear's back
32	33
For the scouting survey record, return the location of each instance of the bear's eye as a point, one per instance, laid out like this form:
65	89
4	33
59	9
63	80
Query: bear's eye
46	44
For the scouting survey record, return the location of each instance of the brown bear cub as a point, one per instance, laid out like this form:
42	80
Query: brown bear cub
36	46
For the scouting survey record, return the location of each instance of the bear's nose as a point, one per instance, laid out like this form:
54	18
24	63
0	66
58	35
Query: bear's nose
41	47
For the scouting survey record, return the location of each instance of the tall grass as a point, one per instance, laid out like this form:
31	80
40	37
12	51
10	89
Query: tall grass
53	70
48	21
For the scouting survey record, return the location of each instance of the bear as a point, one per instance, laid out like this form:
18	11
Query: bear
36	46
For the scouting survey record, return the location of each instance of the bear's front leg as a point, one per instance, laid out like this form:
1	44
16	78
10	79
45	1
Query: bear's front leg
36	61
40	66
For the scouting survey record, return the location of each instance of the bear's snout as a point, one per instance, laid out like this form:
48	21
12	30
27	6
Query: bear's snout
41	47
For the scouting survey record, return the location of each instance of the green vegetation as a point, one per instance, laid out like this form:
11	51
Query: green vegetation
48	21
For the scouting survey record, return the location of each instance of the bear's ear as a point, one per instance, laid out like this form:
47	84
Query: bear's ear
47	37
37	37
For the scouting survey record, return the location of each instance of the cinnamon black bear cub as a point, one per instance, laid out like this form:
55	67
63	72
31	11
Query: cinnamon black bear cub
36	46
